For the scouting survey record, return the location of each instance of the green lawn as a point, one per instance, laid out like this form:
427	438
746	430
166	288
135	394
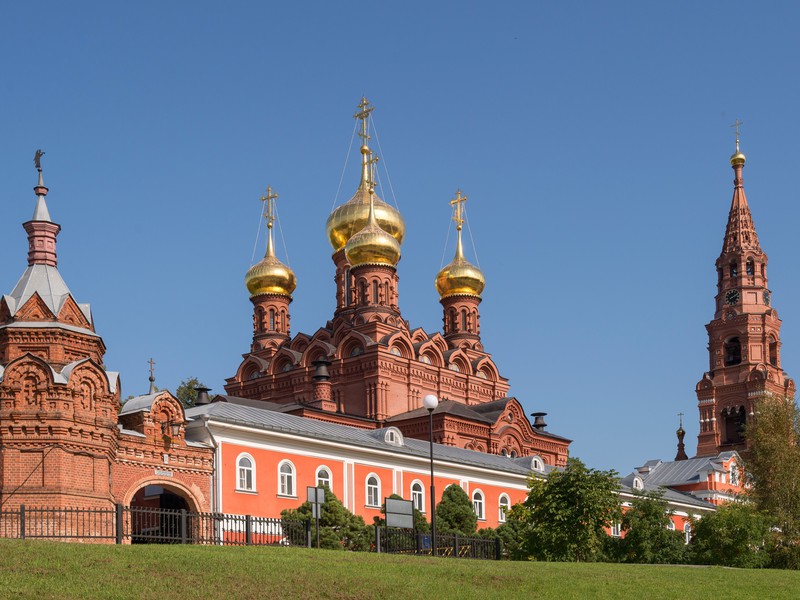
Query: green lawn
51	570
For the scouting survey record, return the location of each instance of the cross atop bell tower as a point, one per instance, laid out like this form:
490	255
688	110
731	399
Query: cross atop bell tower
744	336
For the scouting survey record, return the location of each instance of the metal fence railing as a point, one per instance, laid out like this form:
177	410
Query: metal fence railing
407	541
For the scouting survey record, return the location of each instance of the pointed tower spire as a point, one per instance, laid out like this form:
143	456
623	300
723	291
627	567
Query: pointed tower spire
41	230
681	455
740	233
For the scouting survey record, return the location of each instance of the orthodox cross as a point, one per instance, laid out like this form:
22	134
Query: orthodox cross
363	114
457	204
37	159
269	206
680	416
736	125
152	364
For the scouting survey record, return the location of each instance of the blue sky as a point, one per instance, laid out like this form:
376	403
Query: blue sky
592	141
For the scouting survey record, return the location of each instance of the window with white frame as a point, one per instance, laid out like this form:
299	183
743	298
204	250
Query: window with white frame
418	496
245	471
504	505
687	533
286	479
324	478
616	530
373	491
477	504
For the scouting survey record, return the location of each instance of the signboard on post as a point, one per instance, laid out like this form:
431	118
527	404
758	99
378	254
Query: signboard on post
399	513
316	497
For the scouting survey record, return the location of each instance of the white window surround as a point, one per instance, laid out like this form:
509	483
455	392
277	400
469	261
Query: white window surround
616	530
418	495
373	489
286	479
478	504
504	504
245	473
326	480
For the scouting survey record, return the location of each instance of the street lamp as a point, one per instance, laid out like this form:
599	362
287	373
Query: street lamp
430	402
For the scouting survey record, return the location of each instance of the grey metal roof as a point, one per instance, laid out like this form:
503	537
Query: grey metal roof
449	407
139	403
268	420
48	283
40	212
680	472
667	493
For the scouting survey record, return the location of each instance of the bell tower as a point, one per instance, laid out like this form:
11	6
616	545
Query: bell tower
744	336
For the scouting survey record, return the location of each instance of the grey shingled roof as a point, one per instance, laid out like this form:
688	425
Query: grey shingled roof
680	472
269	420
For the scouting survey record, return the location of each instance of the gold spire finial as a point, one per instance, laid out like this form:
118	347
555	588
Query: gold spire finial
269	206
364	110
736	124
458	209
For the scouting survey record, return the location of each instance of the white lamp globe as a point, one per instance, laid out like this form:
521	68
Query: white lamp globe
430	402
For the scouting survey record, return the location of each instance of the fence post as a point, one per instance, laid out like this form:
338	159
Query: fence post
22	521
378	539
308	533
248	531
498	549
455	546
119	523
183	525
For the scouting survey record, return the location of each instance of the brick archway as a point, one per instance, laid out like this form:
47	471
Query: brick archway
195	502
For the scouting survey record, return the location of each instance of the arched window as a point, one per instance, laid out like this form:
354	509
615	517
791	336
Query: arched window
616	530
272	319
734	271
513	454
347	288
245	473
504	505
395	350
454	367
773	351
418	496
638	484
477	504
356	351
537	464
750	267
425	359
375	292
687	533
373	491
286	479
324	478
259	319
463	320
733	352
363	292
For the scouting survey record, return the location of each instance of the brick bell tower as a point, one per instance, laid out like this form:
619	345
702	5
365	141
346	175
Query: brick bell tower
744	336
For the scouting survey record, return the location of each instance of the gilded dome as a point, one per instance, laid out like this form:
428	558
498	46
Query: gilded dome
460	277
270	275
351	217
737	158
372	245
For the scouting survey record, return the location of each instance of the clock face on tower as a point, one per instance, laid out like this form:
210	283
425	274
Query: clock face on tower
732	297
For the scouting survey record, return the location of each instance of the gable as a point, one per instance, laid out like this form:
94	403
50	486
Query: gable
72	314
35	309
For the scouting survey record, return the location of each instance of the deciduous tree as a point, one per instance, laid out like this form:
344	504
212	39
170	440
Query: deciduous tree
736	535
647	537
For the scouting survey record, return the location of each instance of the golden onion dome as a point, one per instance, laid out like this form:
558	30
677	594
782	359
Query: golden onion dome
351	217
372	245
460	277
270	275
737	158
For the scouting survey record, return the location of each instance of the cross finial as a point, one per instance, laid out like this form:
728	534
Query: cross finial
458	210
152	364
364	110
680	416
269	206
736	124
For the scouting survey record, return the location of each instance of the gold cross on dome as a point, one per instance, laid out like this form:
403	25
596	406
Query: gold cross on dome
680	416
269	206
457	204
363	114
736	125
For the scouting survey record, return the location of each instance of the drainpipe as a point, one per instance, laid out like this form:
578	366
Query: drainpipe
214	462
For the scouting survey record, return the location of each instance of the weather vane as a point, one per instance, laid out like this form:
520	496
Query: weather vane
457	204
37	159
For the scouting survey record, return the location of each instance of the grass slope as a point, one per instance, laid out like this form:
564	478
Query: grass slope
51	570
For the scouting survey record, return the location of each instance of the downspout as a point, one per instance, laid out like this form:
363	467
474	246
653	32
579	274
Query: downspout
214	486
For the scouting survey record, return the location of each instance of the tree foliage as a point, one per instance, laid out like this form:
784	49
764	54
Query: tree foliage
186	392
565	516
647	537
339	528
736	535
773	472
455	514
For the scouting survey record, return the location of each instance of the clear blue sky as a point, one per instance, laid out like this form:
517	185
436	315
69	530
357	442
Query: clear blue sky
592	141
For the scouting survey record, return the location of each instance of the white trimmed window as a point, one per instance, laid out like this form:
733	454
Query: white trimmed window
373	490
324	478
504	505
245	473
418	496
477	504
286	479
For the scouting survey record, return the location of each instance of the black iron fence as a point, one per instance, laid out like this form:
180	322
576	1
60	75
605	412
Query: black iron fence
141	525
407	541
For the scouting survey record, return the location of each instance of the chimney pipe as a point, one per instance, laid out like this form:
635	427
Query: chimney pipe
202	396
538	421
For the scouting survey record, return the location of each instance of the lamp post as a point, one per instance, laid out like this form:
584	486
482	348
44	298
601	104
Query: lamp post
430	402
